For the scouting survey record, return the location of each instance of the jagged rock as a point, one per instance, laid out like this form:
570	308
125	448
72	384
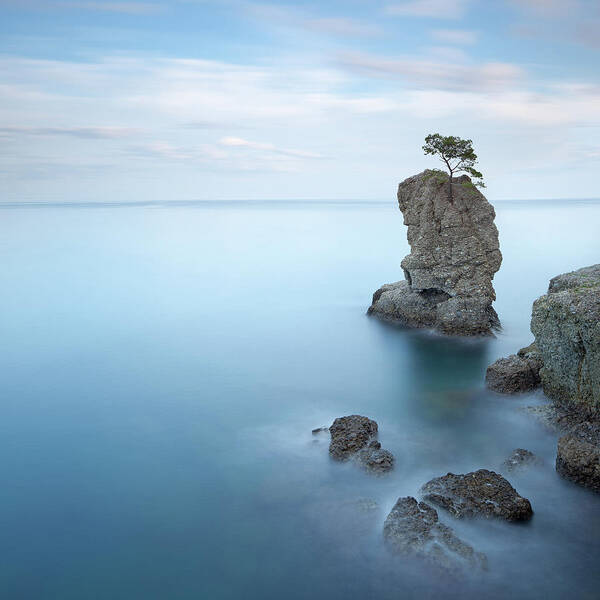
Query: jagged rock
513	374
454	256
349	435
481	492
519	459
412	529
352	437
578	456
566	325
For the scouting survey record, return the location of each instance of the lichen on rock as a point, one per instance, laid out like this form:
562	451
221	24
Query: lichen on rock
454	256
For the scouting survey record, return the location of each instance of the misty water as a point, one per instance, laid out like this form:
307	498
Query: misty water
164	365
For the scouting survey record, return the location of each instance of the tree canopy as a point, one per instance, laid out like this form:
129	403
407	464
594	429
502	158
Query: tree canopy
457	154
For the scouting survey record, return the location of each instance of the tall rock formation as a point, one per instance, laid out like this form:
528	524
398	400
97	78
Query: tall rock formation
454	256
566	326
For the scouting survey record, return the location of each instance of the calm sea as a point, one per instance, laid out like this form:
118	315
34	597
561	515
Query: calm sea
163	366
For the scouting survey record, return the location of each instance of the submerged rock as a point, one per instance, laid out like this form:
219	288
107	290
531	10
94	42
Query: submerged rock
481	492
374	458
566	325
319	430
352	437
513	374
519	459
578	456
412	529
454	256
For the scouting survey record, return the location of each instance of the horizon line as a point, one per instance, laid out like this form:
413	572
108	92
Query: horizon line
242	201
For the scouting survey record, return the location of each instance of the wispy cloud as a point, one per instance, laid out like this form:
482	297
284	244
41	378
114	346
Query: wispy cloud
436	75
238	142
79	132
461	37
290	16
437	9
131	8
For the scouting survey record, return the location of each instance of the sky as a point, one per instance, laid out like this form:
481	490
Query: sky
234	99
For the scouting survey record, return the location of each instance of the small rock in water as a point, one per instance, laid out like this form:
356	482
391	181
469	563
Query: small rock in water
351	437
520	458
578	456
374	458
412	529
320	430
513	374
481	492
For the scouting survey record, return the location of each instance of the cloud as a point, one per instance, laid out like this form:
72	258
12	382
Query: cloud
549	7
438	9
130	8
79	132
237	142
454	36
437	75
294	17
342	26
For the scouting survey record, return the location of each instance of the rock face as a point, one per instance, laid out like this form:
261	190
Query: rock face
482	493
515	373
412	529
352	437
454	256
578	456
566	325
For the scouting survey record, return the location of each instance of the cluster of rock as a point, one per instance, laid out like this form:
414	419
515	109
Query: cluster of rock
412	528
454	256
353	437
565	361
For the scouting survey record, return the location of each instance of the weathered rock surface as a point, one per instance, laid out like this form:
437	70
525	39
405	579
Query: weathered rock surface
578	456
566	325
481	492
513	374
454	256
349	435
519	459
352	437
375	459
412	529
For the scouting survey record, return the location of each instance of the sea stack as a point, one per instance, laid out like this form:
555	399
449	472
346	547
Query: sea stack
454	256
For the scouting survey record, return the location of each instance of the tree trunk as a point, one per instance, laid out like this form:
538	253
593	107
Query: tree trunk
450	196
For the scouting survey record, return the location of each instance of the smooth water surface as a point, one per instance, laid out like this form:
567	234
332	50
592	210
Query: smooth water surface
163	367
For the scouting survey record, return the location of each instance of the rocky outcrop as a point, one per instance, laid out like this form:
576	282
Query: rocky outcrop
515	373
482	493
578	456
454	256
412	529
566	325
352	437
519	459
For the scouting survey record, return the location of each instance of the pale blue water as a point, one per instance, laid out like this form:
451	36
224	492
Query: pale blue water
163	367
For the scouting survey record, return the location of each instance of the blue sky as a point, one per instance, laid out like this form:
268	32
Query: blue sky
233	99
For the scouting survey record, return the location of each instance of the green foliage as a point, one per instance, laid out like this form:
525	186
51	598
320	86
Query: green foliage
437	174
457	154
